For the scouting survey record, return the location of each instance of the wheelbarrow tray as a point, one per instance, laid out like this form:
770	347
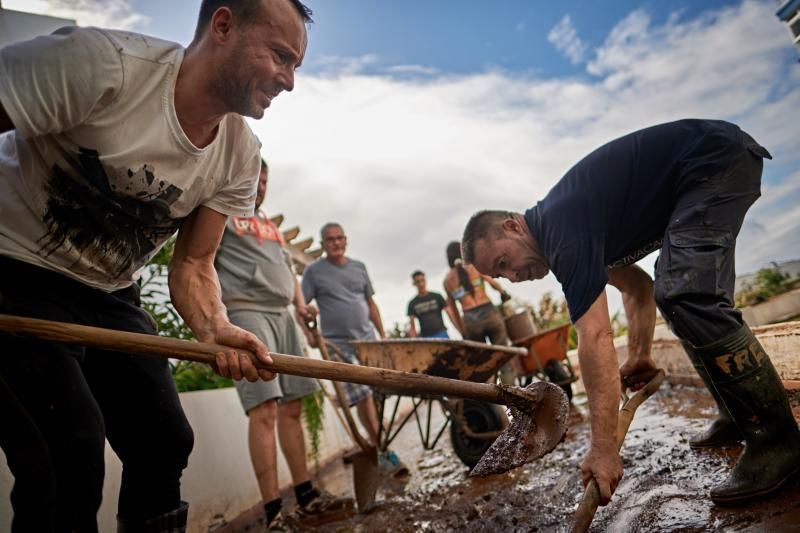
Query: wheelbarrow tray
464	360
543	347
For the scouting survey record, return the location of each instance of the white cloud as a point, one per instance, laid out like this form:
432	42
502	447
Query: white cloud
403	163
117	14
346	65
565	38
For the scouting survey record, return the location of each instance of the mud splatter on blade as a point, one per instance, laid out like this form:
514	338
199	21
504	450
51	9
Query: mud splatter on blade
530	435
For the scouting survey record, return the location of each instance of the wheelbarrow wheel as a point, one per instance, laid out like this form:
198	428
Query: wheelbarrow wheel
557	373
480	417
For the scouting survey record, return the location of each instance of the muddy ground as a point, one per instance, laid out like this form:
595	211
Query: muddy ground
664	489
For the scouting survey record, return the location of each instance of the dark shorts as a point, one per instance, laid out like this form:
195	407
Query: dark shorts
485	321
695	271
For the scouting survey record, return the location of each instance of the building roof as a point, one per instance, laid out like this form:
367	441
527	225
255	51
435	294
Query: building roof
788	9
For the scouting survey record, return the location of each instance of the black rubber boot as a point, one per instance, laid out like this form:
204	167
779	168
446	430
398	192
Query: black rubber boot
750	388
171	522
723	430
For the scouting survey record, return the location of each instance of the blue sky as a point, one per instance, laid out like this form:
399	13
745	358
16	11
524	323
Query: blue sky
408	116
450	36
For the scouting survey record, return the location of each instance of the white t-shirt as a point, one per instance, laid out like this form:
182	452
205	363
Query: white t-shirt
98	173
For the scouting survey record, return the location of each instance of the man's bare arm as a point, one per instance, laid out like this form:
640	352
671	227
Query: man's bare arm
640	309
412	328
195	292
375	316
598	363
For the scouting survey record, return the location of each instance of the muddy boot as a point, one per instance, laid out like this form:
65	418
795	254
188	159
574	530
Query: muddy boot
750	388
723	430
171	522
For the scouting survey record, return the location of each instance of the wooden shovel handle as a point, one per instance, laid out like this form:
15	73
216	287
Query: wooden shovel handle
591	496
340	395
140	343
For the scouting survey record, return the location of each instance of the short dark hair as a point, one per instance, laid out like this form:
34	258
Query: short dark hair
328	226
481	225
417	273
245	10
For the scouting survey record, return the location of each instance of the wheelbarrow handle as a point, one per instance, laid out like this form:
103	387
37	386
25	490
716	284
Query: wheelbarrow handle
591	495
140	343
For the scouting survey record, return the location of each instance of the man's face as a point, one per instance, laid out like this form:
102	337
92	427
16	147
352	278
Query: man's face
511	255
262	57
419	282
334	243
261	192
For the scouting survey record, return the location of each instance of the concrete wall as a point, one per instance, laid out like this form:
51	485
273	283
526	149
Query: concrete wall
777	308
219	478
780	341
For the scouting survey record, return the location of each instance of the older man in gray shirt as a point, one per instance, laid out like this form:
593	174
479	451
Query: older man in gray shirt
343	291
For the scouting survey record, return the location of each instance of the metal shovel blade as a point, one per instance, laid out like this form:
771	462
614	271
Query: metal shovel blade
366	477
531	434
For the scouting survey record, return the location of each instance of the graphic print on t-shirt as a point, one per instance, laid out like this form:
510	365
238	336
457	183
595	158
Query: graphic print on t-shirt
637	254
115	228
262	229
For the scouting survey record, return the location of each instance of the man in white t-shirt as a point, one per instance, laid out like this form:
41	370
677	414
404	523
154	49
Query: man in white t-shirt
110	142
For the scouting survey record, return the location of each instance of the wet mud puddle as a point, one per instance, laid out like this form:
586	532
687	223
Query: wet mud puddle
665	486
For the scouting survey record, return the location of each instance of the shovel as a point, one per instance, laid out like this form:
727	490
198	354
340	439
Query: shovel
591	496
540	410
365	463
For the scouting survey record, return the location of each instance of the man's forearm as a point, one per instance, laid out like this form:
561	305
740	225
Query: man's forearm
195	292
375	318
636	288
598	364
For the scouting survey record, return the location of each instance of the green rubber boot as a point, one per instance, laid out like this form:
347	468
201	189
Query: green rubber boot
748	385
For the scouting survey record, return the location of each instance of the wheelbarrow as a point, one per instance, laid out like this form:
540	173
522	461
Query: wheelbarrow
474	425
546	358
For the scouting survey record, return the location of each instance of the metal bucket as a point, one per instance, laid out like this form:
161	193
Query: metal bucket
520	325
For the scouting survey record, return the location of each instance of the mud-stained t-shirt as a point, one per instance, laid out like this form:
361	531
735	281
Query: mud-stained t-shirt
254	265
612	208
428	310
341	292
98	173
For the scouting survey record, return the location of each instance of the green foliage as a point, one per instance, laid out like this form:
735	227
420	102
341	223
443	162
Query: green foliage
313	414
191	376
769	282
618	326
552	313
397	332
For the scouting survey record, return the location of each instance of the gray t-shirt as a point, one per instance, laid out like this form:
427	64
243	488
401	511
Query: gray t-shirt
341	292
254	266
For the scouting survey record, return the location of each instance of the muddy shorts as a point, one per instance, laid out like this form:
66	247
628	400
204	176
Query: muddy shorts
355	392
695	272
279	332
485	321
